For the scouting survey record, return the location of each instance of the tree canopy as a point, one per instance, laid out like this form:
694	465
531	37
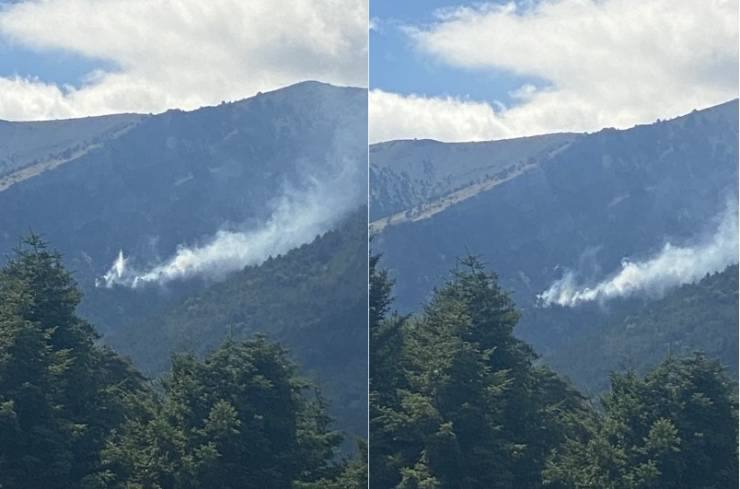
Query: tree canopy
458	402
73	414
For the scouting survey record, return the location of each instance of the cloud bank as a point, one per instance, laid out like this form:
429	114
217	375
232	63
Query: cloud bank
182	54
671	267
606	63
394	116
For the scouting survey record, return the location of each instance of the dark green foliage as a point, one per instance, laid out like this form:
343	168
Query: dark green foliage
386	362
74	415
676	428
386	379
60	393
353	475
239	418
470	409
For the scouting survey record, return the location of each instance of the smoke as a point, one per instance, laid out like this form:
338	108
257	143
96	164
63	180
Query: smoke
116	273
671	267
296	217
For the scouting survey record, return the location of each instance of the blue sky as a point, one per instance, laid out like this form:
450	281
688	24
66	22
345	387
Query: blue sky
397	66
51	66
585	64
48	65
501	69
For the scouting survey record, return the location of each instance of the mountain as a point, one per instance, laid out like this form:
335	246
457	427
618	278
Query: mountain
406	174
580	203
27	148
694	317
313	300
270	173
177	178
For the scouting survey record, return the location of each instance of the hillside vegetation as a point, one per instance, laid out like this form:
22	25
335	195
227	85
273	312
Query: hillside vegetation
75	415
695	317
313	300
457	401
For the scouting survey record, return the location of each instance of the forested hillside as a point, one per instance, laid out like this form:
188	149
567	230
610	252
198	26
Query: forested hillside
606	196
178	178
271	173
582	210
74	415
313	299
457	401
695	317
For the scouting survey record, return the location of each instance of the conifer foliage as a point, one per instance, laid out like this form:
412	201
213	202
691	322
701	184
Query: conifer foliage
74	415
471	409
60	393
457	402
239	418
676	428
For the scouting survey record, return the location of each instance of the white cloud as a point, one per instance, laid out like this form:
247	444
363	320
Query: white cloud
182	54
607	63
394	116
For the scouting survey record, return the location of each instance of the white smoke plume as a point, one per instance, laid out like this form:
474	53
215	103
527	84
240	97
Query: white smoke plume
116	273
672	266
296	218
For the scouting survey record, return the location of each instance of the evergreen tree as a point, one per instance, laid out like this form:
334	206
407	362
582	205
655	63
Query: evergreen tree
676	428
387	382
354	474
471	409
60	393
240	418
74	415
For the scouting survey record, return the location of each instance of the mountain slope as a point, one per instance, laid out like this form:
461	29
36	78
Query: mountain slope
408	173
313	299
694	317
584	208
606	196
24	144
179	177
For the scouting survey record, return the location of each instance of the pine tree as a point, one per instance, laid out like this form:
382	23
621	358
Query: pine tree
239	418
676	428
60	393
387	383
467	407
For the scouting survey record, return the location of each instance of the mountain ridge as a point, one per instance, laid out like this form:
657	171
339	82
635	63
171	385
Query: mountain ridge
610	195
156	176
380	175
